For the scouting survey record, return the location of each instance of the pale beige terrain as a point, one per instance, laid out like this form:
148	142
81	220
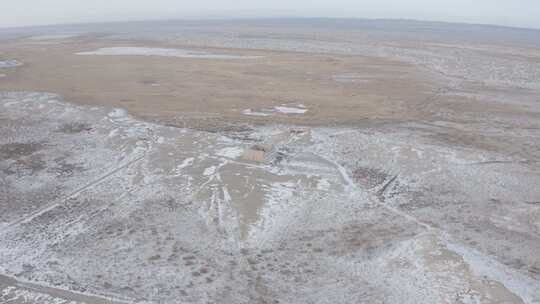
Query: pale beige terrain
219	90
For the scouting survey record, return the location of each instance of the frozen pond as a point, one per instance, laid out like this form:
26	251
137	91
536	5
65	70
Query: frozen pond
286	109
290	110
9	63
163	52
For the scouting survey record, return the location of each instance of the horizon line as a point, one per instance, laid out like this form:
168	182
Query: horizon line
267	18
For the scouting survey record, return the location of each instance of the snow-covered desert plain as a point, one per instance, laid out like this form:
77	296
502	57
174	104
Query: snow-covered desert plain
252	162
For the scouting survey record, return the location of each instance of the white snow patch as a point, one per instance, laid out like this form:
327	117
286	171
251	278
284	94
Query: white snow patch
163	52
209	171
187	162
9	63
11	103
231	152
117	113
284	109
113	133
226	195
519	284
254	113
290	110
323	184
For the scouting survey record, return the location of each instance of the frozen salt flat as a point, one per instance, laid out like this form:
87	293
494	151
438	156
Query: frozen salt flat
284	109
9	63
343	215
250	112
290	110
164	52
53	37
352	78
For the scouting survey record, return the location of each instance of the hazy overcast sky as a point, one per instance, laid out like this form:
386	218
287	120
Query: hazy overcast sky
523	13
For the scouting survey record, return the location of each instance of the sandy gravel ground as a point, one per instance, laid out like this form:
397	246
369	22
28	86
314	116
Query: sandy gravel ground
271	165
